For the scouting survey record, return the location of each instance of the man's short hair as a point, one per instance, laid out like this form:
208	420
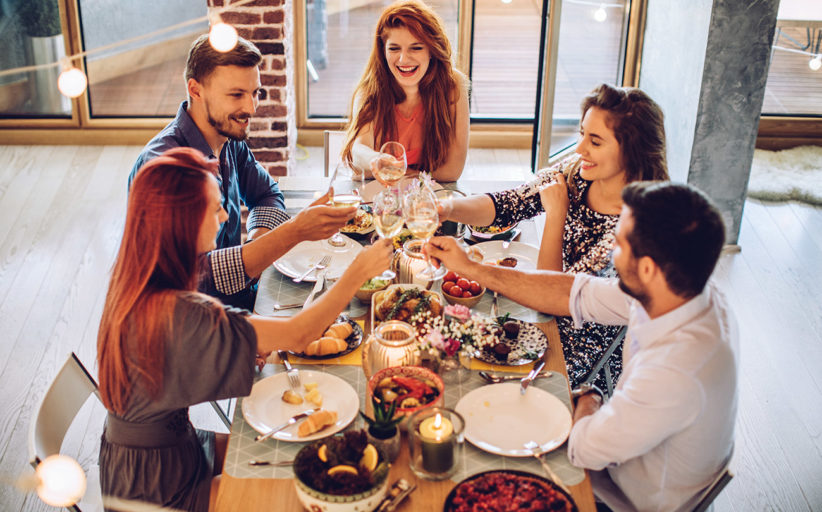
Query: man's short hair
678	227
203	58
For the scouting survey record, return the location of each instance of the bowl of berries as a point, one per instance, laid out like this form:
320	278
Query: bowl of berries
459	290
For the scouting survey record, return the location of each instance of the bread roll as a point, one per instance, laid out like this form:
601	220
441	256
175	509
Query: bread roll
325	346
316	422
339	330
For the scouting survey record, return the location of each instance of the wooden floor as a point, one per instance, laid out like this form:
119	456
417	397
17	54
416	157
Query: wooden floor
62	215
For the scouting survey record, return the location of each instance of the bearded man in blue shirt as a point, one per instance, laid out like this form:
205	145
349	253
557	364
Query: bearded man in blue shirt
223	91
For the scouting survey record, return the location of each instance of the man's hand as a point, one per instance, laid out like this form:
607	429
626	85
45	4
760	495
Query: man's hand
372	260
319	220
445	208
587	404
445	250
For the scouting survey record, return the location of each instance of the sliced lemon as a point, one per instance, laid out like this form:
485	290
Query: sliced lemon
369	459
342	468
322	453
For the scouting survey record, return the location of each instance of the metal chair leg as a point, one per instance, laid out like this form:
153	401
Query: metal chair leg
224	415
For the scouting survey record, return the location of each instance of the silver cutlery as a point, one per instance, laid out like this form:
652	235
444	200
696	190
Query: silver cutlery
396	494
320	265
270	463
526	381
536	452
317	287
496	379
280	307
292	373
292	420
495	306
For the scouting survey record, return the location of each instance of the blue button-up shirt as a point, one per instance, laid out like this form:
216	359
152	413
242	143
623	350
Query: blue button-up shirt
241	178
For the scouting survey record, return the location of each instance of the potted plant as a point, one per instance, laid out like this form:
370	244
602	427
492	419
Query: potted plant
382	428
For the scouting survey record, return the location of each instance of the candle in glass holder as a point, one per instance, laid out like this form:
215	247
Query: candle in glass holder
392	345
437	447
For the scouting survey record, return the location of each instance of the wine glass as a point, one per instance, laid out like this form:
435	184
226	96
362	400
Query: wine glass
388	220
344	191
420	212
390	165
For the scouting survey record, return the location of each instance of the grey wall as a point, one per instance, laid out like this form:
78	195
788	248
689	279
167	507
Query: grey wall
706	62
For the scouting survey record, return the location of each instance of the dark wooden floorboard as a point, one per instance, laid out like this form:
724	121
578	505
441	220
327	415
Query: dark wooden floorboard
62	218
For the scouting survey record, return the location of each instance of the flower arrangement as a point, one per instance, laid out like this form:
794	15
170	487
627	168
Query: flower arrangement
459	332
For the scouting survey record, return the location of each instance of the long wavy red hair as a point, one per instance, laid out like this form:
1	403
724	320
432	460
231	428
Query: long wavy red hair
157	260
379	92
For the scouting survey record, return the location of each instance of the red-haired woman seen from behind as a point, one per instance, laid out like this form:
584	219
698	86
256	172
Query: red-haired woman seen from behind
163	347
411	93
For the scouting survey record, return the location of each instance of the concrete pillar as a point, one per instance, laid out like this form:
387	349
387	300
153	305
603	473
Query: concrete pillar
706	63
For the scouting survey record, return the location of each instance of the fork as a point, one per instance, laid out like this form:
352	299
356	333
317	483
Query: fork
320	265
535	451
292	373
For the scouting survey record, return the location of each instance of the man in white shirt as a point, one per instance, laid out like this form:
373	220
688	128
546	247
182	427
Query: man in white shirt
667	431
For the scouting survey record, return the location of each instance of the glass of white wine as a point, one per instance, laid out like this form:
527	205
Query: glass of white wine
390	165
388	220
344	191
420	212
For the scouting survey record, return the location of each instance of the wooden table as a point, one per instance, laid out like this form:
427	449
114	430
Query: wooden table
251	494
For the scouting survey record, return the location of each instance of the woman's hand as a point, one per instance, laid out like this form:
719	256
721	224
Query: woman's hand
444	209
372	260
554	197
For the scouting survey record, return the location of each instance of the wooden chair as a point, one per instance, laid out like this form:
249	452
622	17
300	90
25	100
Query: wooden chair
332	148
713	490
67	393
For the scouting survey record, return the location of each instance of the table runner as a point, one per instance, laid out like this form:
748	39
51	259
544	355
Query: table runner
243	448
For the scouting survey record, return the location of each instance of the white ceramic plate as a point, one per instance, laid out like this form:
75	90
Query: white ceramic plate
305	254
526	255
499	419
529	345
264	408
365	212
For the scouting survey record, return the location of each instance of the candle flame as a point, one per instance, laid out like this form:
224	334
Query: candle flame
438	421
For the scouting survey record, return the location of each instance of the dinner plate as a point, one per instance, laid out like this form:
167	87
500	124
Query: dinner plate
512	476
351	229
493	251
529	345
506	234
264	408
305	254
374	187
353	341
499	419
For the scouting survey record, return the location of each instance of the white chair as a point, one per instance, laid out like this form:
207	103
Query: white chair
713	490
67	393
332	149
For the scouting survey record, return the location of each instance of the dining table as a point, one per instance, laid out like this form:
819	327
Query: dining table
245	487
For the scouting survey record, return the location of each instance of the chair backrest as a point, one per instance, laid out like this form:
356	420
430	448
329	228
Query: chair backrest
332	148
713	490
65	396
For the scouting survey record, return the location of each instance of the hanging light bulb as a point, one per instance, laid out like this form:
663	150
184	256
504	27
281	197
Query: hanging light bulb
71	82
62	481
223	37
600	15
815	63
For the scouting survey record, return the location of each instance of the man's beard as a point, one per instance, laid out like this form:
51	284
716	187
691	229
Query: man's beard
224	127
639	294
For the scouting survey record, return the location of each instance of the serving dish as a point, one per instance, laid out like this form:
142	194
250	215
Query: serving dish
353	341
379	297
507	486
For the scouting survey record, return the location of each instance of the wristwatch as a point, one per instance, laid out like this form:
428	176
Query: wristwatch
584	389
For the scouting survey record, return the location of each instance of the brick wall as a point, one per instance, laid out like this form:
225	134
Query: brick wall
266	23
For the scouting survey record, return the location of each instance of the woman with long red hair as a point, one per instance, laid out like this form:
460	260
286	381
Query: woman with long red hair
411	93
163	347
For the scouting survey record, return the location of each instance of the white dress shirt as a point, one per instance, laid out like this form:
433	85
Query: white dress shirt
667	431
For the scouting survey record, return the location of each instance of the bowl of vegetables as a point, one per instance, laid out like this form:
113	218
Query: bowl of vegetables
370	287
342	473
458	290
412	387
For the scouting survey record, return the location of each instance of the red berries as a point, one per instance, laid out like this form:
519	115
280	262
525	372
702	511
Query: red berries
457	286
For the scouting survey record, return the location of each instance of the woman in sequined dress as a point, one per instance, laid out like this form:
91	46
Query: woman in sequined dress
621	139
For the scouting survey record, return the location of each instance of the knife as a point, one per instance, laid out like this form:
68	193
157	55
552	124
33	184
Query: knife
317	287
531	376
292	420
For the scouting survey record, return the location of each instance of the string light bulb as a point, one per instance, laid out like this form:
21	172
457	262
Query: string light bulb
815	63
223	37
62	481
71	82
600	14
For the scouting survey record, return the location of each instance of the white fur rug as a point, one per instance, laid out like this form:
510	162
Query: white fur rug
790	174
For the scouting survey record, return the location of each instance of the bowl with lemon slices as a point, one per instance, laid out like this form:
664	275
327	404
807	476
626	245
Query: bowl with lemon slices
341	473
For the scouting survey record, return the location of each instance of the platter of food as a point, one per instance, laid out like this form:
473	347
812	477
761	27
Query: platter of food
500	420
362	223
501	490
402	302
272	402
517	343
342	337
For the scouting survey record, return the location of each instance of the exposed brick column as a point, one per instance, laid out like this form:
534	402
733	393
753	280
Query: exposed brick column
269	24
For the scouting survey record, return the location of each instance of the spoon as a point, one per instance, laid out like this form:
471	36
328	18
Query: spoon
496	379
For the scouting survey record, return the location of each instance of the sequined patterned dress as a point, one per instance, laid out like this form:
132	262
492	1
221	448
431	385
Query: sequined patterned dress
587	240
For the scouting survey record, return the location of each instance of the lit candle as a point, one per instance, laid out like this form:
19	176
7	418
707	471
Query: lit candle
437	446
